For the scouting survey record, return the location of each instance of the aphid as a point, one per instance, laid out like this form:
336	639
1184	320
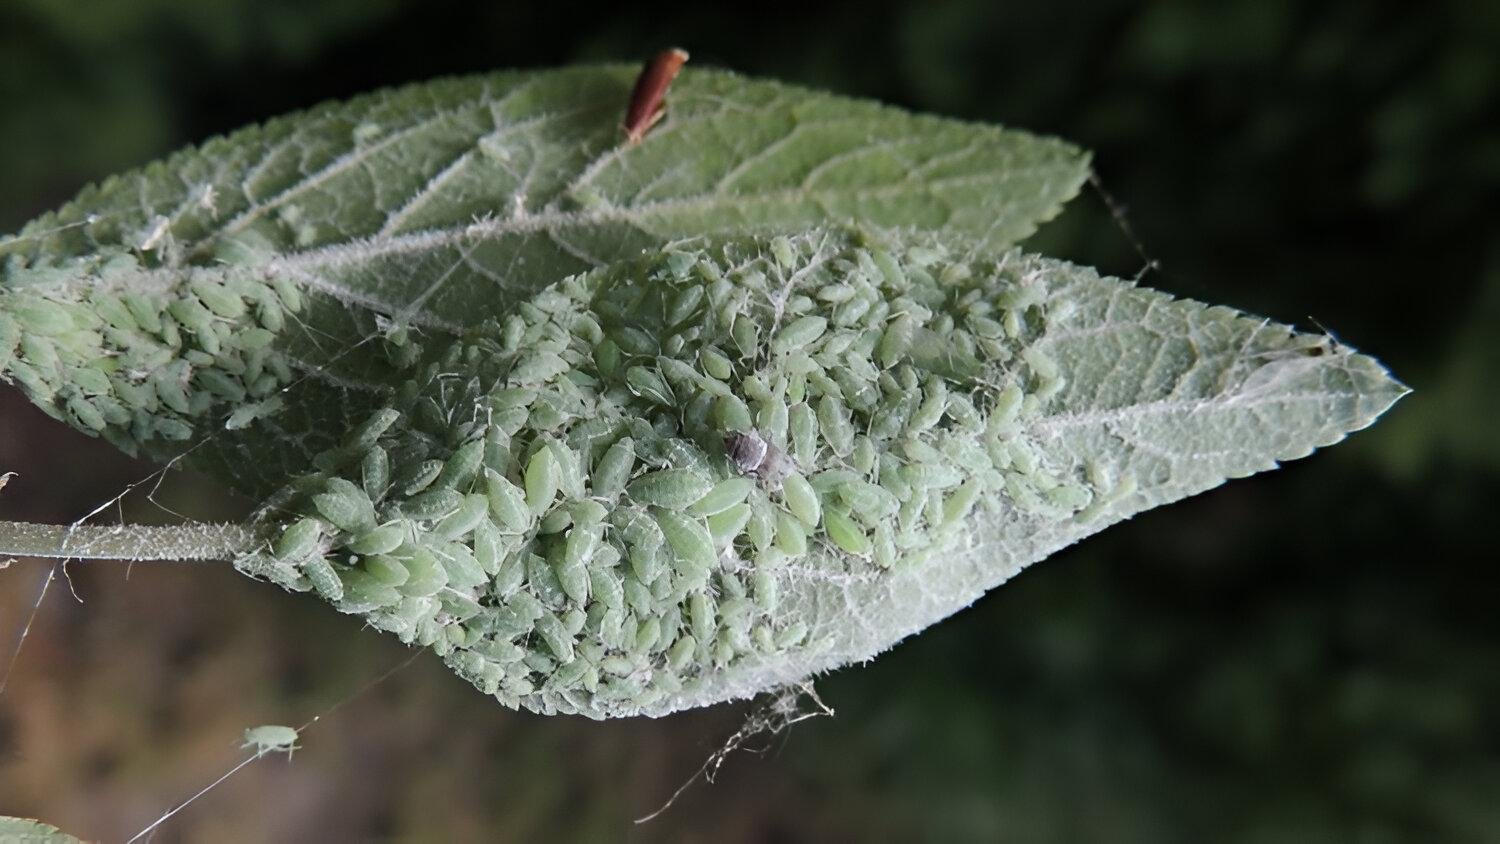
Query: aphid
424	575
801	499
690	540
324	578
724	526
462	521
753	456
271	738
646	106
845	532
381	540
798	333
672	489
299	540
724	495
731	414
346	506
541	480
834	423
459	562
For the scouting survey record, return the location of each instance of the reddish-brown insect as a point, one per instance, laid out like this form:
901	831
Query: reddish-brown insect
650	88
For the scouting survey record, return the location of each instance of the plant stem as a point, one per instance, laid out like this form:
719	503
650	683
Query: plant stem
197	541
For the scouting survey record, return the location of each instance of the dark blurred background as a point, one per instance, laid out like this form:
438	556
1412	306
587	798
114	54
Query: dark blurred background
1308	655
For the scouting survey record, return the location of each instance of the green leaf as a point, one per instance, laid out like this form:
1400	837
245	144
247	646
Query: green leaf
395	315
27	831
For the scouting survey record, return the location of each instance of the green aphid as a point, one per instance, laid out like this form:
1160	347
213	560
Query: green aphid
346	506
387	570
432	504
782	251
556	637
896	340
173	429
219	299
614	469
426	576
798	333
746	336
461	522
791	535
85	415
42	316
647	635
569	562
364	593
650	385
145	312
883	545
691	542
725	494
870	500
459	470
834	424
459	562
286	290
932	408
324	578
802	424
380	540
680	654
607	357
375	472
672	489
634	341
40	352
761	529
731	414
507	502
541	480
715	363
728	524
220	384
511	574
845	532
801	499
299	540
956	507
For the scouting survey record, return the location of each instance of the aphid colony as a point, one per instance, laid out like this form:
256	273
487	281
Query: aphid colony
594	504
140	368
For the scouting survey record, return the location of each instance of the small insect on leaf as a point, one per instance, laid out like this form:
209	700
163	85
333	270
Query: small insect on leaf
271	738
646	106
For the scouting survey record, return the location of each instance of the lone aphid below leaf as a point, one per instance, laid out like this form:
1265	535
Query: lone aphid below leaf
646	107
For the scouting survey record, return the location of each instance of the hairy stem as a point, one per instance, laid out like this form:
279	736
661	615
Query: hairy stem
200	541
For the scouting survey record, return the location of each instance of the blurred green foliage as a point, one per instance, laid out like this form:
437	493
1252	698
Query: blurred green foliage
1308	655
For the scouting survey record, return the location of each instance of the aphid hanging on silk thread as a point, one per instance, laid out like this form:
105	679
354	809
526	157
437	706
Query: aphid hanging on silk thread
753	456
646	106
271	738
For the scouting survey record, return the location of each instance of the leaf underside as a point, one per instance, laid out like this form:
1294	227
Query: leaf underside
495	375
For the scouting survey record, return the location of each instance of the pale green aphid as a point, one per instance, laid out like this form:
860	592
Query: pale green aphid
271	738
801	499
673	489
541	480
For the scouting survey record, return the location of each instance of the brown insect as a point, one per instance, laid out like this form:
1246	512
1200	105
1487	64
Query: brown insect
651	86
753	456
